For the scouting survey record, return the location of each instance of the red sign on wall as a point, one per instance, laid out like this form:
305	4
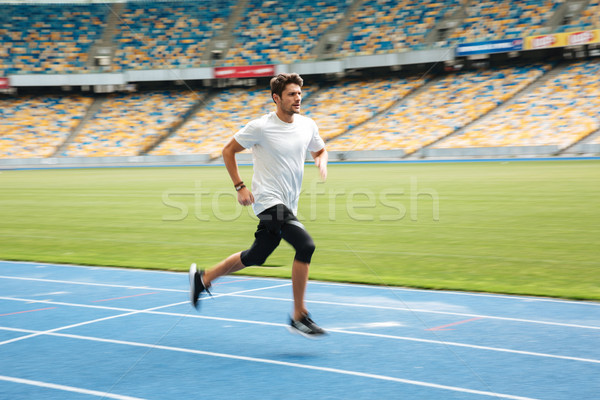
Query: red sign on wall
579	38
253	71
4	83
542	42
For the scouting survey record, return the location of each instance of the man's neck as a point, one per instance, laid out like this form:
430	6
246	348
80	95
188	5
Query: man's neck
285	117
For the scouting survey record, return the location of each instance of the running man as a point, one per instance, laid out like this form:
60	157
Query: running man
279	142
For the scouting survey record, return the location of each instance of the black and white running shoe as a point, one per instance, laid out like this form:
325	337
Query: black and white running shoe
196	285
306	327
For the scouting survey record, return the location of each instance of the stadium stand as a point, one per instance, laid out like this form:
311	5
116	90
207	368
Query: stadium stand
442	107
361	114
560	112
383	26
160	35
350	103
127	124
492	19
48	38
208	130
34	127
212	126
589	19
591	15
282	32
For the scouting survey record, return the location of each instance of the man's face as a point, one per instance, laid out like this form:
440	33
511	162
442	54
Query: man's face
290	99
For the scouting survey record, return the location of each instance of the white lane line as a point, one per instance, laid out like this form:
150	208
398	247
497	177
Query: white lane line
470	346
78	324
456	293
238	294
340	284
343	331
122	315
417	310
117	286
92	284
288	364
67	388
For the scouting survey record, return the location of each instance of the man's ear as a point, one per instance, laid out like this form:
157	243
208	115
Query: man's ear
275	97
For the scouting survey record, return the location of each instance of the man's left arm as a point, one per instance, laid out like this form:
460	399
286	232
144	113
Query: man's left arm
321	157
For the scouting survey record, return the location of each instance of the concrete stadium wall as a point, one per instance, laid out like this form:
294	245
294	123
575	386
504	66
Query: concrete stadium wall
246	157
585	148
83	162
508	151
195	159
306	68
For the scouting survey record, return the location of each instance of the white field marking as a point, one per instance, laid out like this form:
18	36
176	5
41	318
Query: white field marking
93	284
416	310
368	325
153	312
284	363
75	326
90	267
337	330
380	287
122	286
118	316
48	294
387	324
320	302
344	285
66	388
470	346
453	292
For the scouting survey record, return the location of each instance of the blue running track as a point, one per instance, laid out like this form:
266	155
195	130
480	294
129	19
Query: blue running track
77	332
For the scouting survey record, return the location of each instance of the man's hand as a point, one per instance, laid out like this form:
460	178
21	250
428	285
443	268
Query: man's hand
245	197
321	157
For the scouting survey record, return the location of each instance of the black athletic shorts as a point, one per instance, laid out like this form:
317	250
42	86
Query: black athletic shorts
276	223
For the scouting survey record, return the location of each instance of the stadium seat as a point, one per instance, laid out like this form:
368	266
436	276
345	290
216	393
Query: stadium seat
128	124
49	38
560	112
589	19
348	104
212	127
383	26
162	35
35	126
282	32
505	19
441	108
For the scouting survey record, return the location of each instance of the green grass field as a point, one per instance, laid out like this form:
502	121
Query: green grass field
508	227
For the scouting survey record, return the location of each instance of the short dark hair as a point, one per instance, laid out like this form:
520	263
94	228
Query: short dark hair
279	82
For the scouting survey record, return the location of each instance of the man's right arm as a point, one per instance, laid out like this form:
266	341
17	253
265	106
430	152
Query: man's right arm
245	197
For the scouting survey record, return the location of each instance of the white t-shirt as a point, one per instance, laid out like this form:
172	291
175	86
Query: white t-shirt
279	152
